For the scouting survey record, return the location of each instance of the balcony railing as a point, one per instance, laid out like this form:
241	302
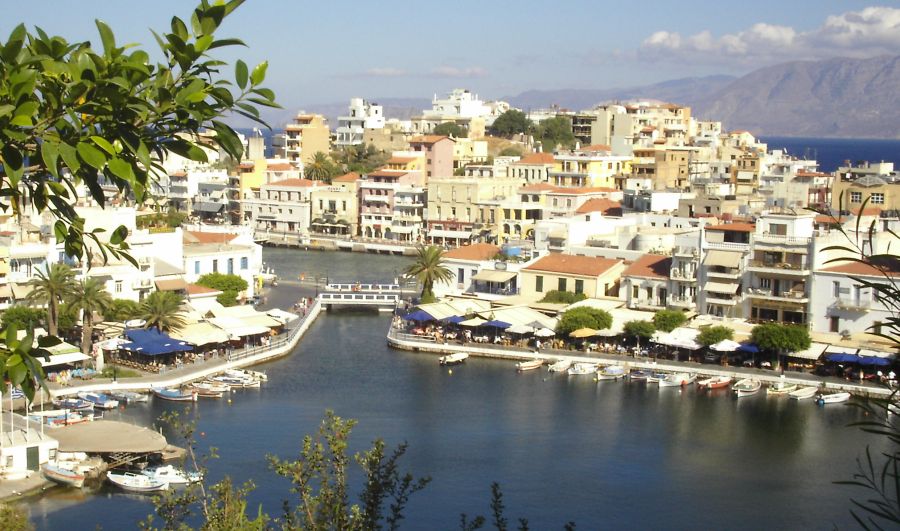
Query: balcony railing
376	198
690	252
647	303
727	246
765	293
678	274
863	305
719	299
778	266
781	240
681	300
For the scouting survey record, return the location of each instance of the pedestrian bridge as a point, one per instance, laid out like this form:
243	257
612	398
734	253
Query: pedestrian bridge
386	296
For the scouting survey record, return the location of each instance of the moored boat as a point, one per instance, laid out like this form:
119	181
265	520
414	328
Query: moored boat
780	389
581	369
232	381
746	387
172	475
213	387
453	359
678	380
611	372
136	482
74	404
129	397
246	374
715	382
638	376
99	400
63	476
175	395
56	418
560	366
832	398
529	365
803	393
656	377
204	393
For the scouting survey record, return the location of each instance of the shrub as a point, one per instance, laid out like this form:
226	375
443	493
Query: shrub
668	320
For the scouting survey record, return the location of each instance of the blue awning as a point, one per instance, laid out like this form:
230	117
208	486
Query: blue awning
419	315
454	319
841	357
497	324
874	360
152	342
748	347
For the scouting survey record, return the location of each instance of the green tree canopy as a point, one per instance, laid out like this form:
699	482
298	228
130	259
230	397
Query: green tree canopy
162	310
450	129
320	168
639	329
710	335
23	317
428	268
90	297
555	132
229	284
121	310
583	317
50	288
510	123
510	151
362	158
668	320
779	338
563	297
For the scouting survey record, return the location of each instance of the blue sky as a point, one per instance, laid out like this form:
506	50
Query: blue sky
324	52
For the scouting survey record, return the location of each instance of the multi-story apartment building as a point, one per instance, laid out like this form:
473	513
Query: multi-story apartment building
461	107
667	168
841	303
877	185
222	252
590	166
683	273
533	168
645	283
361	115
335	208
302	139
457	204
281	207
377	196
438	153
639	124
723	257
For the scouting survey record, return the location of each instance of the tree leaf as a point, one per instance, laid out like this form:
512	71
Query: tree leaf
259	73
107	37
91	155
240	74
50	156
104	144
69	156
121	169
118	235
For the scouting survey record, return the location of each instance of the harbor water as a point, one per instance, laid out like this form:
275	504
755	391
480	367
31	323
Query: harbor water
602	454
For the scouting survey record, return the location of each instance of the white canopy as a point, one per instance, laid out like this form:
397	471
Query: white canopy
544	332
281	315
237	328
726	345
520	329
64	359
200	334
680	338
812	353
475	321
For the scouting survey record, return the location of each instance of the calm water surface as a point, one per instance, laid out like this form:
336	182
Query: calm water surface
604	454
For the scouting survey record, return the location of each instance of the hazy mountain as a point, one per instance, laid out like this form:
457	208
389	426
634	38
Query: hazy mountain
401	108
851	98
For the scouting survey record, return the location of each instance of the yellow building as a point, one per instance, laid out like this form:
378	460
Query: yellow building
455	204
302	139
589	167
593	276
335	208
467	151
876	191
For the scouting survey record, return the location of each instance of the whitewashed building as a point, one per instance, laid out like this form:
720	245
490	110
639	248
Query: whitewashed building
362	115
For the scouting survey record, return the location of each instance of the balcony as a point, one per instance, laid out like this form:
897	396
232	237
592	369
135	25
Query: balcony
782	296
648	304
728	273
683	276
372	198
409	204
144	283
687	252
714	298
778	239
727	246
681	301
853	305
781	268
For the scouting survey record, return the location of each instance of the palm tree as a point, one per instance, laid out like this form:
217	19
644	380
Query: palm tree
320	168
162	309
428	268
90	297
50	288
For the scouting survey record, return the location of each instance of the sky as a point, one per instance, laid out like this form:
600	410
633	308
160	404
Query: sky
328	51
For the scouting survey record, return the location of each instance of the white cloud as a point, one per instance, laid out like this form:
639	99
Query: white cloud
871	31
457	72
385	72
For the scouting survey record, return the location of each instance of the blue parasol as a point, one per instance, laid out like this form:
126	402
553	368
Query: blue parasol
453	319
497	324
419	315
874	360
748	347
841	357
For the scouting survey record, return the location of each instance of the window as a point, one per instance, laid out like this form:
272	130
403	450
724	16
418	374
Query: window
579	286
877	198
244	264
539	284
215	266
118	286
634	292
197	267
343	206
876	327
231	266
460	275
561	284
765	283
856	197
836	288
835	325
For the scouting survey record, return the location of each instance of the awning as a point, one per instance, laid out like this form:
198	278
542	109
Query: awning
400	229
64	359
200	334
21	291
520	329
171	284
420	316
730	259
812	353
152	342
726	345
490	275
283	316
236	327
719	287
475	321
557	234
462	234
5	292
206	206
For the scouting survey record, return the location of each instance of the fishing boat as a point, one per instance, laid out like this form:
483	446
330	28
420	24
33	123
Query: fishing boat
656	377
129	397
56	418
454	359
175	395
611	372
203	392
136	482
678	380
832	398
74	404
803	393
581	369
247	374
746	387
213	387
172	475
63	476
100	400
715	382
781	388
560	366
638	376
529	365
235	382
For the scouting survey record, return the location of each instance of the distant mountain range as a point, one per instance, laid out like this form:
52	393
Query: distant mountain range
849	98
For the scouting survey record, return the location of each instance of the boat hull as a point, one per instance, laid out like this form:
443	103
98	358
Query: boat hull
746	388
136	483
804	393
174	396
63	476
529	365
834	398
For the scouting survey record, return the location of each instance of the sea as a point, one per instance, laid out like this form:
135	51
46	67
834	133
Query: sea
605	455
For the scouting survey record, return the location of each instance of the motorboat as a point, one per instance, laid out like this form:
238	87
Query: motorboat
529	365
832	398
715	382
172	475
781	388
235	382
803	393
638	376
247	374
56	418
454	359
212	387
63	476
175	395
611	372
129	397
136	482
656	377
203	392
678	380
581	369
74	404
100	400
746	387
560	366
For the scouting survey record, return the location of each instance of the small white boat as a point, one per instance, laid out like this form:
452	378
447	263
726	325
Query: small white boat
136	482
560	366
247	374
454	359
611	372
232	381
202	392
129	397
678	380
746	387
74	404
833	398
803	393
63	476
529	365
638	376
715	382
56	418
781	388
581	369
99	400
171	475
212	387
656	377
175	395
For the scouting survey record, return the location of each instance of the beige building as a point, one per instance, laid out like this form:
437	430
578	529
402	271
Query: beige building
593	276
881	192
302	139
590	166
534	168
668	168
335	208
454	204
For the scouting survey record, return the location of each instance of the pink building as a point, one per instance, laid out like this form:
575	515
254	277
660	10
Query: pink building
438	154
377	192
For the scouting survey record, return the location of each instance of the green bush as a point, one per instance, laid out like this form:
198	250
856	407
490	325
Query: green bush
710	335
23	317
583	317
639	329
668	320
563	297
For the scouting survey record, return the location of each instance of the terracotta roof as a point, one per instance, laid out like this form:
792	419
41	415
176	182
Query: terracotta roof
476	251
650	266
733	227
281	166
351	177
293	183
824	218
429	139
178	174
606	207
197	289
536	158
387	173
595	147
568	264
401	160
868	211
207	237
539	187
247	165
860	269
